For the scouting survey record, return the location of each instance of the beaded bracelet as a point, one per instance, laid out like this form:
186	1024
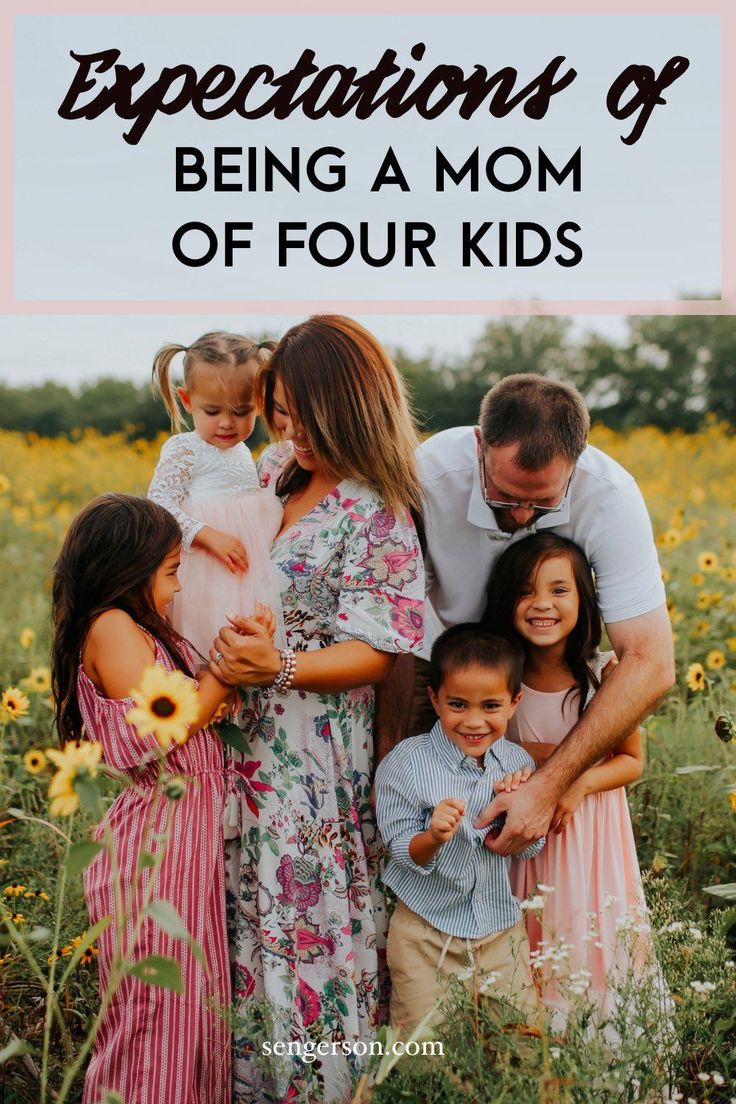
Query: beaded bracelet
281	685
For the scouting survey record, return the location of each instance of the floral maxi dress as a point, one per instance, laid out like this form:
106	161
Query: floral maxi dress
306	911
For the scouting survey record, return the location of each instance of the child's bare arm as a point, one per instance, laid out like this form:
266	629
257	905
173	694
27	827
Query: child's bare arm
446	818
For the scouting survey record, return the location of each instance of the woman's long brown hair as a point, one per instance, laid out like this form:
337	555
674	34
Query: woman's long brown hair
350	400
516	568
110	554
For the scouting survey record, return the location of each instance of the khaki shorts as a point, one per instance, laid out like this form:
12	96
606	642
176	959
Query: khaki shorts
421	959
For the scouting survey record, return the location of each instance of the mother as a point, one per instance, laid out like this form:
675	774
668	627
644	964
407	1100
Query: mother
307	915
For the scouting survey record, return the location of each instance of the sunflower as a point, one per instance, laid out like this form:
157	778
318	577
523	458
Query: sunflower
14	890
715	659
732	799
669	539
89	956
14	703
76	758
731	643
697	578
703	600
38	682
708	561
695	677
27	638
165	706
34	761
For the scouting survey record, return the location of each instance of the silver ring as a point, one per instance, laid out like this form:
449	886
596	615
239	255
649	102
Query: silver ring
218	657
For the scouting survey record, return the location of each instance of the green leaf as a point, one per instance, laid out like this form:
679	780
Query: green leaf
88	793
231	735
700	768
87	940
146	859
727	891
81	854
158	970
13	1049
167	918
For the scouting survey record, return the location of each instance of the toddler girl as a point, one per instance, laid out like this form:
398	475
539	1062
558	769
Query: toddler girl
208	481
112	585
542	592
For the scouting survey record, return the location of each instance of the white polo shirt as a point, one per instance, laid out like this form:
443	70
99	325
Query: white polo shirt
604	513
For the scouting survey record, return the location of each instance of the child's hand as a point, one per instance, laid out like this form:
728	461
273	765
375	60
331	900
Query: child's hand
567	805
224	547
265	616
511	782
446	817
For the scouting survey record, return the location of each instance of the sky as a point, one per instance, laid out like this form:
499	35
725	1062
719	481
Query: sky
73	349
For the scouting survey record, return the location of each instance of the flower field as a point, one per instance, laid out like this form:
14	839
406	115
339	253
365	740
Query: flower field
684	807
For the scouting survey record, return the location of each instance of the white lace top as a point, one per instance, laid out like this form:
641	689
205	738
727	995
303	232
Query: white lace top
191	468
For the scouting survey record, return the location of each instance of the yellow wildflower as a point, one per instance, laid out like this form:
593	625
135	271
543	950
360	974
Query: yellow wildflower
731	643
665	575
715	659
708	561
701	628
695	677
27	638
732	799
38	682
702	602
697	578
14	890
669	539
34	761
14	703
18	918
75	758
165	706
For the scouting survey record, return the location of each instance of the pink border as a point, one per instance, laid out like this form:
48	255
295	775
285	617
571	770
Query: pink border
725	9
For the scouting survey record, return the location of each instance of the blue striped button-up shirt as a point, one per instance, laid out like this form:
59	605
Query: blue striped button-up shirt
465	889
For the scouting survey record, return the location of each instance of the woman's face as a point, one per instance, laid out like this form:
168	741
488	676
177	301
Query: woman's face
287	423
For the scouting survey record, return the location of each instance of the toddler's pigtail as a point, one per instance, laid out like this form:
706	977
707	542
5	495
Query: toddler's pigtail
162	383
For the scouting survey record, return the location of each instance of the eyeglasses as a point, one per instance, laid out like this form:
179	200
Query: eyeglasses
497	504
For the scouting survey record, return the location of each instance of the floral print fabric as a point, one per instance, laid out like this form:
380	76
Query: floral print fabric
306	909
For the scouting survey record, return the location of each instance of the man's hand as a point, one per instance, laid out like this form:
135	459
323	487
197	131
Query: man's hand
446	817
528	814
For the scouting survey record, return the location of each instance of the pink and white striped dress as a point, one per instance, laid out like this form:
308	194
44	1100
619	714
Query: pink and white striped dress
154	1045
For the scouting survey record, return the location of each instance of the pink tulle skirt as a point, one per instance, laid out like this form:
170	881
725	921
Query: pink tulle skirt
209	590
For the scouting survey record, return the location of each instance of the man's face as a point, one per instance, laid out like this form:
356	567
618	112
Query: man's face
505	481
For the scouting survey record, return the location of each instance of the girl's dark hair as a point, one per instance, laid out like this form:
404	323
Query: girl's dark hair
516	568
474	645
110	554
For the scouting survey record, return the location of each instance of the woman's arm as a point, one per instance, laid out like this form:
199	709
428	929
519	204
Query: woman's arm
250	659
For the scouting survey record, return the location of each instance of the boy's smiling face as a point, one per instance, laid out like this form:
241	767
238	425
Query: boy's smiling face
474	705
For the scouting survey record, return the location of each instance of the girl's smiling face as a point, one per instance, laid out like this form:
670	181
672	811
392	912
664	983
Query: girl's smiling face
165	583
548	605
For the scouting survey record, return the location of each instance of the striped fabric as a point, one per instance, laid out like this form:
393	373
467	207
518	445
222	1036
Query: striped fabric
465	890
156	1046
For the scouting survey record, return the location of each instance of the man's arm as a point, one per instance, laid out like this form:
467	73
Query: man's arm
644	673
394	697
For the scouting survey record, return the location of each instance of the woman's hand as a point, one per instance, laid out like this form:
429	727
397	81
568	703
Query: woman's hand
511	782
567	805
243	654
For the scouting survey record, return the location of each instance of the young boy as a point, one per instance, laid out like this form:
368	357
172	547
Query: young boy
455	908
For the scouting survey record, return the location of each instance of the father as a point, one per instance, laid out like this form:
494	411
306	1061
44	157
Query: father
528	468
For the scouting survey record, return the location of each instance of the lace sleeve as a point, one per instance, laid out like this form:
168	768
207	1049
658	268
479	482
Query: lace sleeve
171	482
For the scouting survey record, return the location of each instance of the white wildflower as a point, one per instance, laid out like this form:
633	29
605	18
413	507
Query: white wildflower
534	904
703	986
545	888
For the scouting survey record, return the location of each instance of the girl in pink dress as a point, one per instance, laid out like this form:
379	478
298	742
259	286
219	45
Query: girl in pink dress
542	591
113	582
207	479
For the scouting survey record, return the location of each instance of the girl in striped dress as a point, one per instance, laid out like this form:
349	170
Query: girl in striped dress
113	582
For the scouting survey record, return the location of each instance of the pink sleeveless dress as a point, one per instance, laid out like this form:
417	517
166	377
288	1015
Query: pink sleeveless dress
597	903
154	1045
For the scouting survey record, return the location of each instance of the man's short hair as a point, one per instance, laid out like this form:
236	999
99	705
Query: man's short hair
544	417
472	645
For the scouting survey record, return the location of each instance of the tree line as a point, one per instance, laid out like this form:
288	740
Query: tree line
670	372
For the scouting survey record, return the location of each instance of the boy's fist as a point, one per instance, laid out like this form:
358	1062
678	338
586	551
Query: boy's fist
446	817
